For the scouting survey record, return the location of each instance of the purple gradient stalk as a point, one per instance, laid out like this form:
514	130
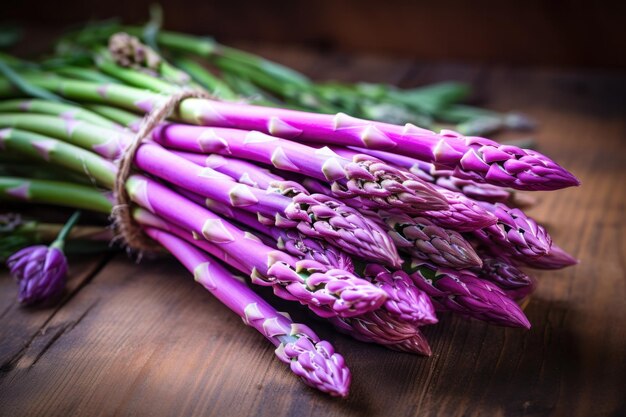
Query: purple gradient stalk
314	215
361	175
465	293
312	360
473	158
514	235
325	291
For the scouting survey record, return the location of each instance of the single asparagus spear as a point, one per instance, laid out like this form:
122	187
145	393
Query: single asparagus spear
55	193
463	214
465	293
513	281
62	110
423	239
380	328
313	360
59	153
405	301
514	235
556	258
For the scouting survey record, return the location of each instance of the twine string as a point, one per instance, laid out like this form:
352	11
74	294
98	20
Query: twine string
127	227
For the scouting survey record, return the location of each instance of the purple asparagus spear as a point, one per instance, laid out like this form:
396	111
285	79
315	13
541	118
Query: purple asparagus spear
443	178
381	328
405	301
422	239
465	293
514	235
463	214
415	344
325	291
556	258
513	281
312	360
360	175
474	158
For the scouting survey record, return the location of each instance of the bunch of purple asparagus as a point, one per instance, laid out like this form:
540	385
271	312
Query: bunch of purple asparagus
373	226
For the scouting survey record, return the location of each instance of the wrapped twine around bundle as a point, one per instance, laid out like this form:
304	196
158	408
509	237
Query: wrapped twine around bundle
129	231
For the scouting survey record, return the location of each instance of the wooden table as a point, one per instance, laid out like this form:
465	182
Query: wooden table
146	340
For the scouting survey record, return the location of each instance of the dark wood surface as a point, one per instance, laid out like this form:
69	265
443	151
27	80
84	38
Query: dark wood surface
566	33
145	340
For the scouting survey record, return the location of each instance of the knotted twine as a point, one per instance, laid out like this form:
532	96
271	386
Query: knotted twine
127	228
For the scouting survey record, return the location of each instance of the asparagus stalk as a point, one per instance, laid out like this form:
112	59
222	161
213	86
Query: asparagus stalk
54	193
463	214
514	282
313	360
463	292
291	241
415	344
378	327
473	158
423	239
206	79
405	301
514	235
62	110
76	159
117	115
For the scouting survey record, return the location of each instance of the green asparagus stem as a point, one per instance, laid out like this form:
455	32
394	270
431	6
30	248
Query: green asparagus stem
54	193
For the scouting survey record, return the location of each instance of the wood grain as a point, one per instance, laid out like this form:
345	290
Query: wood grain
146	340
566	33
